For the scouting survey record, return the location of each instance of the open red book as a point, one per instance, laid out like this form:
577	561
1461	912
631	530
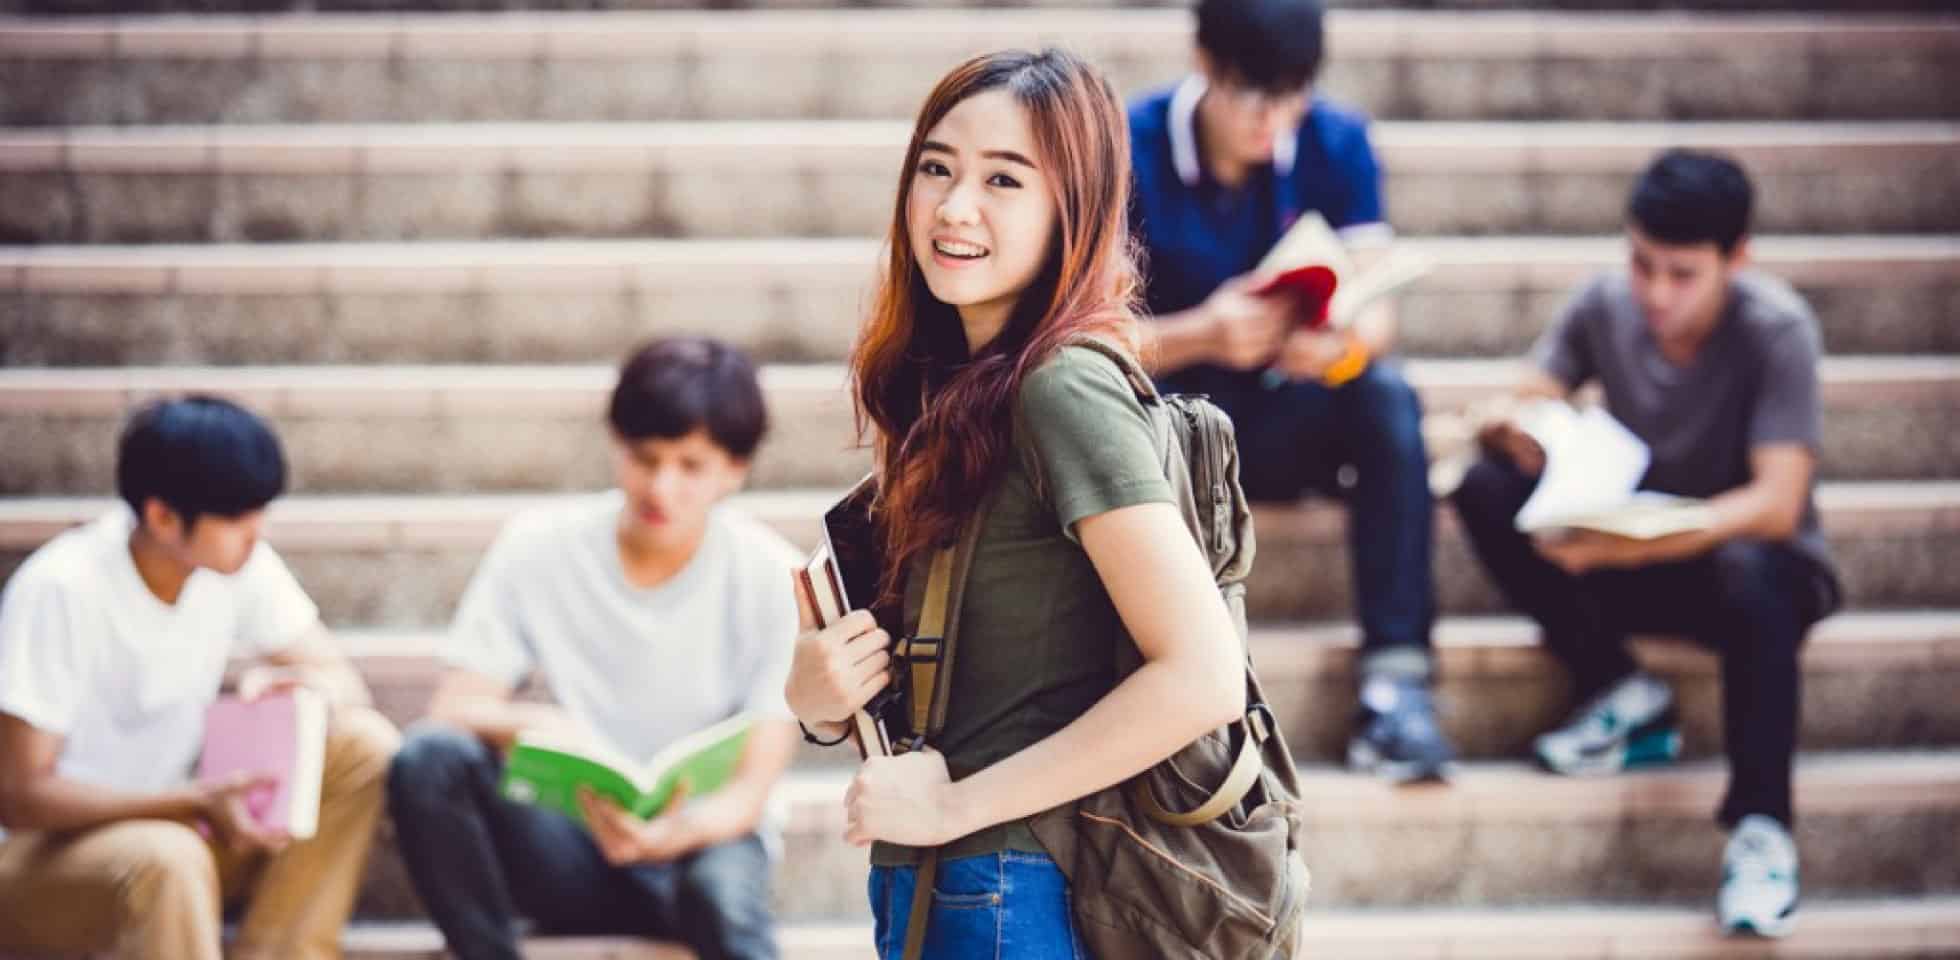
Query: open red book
1311	265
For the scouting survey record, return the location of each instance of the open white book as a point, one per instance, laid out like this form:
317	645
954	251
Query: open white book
1593	467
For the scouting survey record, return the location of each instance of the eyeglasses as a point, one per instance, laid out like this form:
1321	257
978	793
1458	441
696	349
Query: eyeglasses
1249	99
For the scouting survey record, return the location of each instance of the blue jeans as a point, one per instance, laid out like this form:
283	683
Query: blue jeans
479	861
993	906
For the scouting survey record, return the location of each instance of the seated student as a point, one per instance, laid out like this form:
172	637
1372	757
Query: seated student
1715	367
652	611
1225	162
114	639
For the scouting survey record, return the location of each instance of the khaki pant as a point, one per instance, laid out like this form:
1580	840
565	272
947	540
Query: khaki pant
156	889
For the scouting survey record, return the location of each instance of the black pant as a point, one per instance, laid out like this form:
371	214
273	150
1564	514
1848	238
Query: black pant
479	860
1750	601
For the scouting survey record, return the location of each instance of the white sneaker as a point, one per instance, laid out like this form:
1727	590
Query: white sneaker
1631	724
1759	879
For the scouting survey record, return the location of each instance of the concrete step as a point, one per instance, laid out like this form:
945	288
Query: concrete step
581	67
1501	834
1917	927
836	178
403	561
1871	680
798	300
412	429
74	7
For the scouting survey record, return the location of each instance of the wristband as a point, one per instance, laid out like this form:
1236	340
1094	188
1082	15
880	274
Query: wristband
813	738
1351	364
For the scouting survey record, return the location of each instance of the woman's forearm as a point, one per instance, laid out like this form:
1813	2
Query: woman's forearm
1124	734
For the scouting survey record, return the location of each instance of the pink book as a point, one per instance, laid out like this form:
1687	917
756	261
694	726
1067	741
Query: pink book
284	735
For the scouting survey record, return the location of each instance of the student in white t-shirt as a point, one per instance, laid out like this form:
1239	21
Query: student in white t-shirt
650	611
114	638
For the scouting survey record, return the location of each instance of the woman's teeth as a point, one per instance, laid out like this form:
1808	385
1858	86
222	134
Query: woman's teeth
961	251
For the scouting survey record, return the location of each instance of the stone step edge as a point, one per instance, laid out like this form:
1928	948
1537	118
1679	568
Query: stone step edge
1481	646
624	35
436	390
1479	263
1858	927
1453	147
469	521
1864	782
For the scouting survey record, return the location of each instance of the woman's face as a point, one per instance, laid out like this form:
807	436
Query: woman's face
981	213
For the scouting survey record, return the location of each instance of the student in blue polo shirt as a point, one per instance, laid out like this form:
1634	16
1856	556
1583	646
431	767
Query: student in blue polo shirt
1225	162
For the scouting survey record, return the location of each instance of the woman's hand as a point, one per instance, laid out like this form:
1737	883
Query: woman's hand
908	800
836	670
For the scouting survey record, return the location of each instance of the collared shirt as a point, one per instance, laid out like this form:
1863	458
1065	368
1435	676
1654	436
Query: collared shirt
1198	233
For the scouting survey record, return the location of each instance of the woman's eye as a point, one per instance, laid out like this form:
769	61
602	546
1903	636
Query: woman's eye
933	168
1002	180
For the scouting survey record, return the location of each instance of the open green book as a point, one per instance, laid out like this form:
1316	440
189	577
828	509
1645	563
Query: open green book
547	771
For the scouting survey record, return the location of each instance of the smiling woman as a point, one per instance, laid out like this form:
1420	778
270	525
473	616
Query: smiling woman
1010	243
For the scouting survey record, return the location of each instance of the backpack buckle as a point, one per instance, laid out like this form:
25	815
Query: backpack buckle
1260	722
921	657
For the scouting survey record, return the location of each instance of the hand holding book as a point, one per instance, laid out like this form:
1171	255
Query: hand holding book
626	839
1329	290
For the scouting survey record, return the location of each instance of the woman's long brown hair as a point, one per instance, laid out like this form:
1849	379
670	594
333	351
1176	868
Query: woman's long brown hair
941	422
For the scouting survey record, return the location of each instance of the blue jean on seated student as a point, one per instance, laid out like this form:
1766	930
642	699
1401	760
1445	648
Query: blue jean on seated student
1296	437
479	861
992	906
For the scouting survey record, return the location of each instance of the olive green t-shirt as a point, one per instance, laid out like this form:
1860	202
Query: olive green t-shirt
1037	630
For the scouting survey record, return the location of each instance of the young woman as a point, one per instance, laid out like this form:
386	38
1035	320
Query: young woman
1009	239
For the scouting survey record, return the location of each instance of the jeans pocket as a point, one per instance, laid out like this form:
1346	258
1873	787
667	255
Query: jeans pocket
964	922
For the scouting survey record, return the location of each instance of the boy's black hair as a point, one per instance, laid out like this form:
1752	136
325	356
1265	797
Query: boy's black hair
199	455
669	387
1689	197
1271	45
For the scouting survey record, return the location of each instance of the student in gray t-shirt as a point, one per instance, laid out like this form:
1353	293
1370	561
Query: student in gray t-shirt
1715	367
650	611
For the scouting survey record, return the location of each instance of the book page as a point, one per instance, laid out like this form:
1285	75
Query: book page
1592	463
1309	242
309	764
1648	515
705	759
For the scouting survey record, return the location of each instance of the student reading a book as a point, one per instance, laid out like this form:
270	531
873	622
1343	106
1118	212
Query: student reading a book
114	640
1008	240
1714	367
651	611
1225	162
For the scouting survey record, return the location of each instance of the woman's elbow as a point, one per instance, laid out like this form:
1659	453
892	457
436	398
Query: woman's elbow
1219	694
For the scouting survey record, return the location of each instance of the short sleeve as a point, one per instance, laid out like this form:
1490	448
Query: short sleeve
1562	351
1363	220
1082	425
487	636
1787	408
43	661
274	610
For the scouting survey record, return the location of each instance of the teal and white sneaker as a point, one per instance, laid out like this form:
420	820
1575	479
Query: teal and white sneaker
1632	724
1759	880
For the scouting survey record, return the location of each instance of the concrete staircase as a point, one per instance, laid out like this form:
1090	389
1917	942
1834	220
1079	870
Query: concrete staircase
418	240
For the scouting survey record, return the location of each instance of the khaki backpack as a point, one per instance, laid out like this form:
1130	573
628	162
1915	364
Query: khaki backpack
1197	858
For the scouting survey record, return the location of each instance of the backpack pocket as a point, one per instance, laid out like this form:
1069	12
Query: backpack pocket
1219	891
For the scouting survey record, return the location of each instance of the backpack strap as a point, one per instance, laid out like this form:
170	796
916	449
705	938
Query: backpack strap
1258	722
1239	782
1140	381
938	629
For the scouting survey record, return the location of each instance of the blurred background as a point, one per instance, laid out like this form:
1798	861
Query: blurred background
419	236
